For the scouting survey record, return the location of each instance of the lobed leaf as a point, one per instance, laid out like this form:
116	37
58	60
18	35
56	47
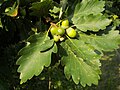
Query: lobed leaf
32	61
87	15
80	61
106	42
91	22
87	7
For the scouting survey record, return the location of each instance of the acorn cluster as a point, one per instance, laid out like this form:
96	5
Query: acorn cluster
59	32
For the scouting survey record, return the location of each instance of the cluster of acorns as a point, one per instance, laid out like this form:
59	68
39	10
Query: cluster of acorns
58	32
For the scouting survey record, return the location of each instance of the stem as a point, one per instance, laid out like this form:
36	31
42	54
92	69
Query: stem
53	24
49	83
49	78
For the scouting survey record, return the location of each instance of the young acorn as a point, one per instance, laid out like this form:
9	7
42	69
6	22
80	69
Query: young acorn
65	24
56	38
57	31
71	32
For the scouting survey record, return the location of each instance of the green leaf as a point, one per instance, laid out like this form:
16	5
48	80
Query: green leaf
116	22
91	22
80	61
106	42
46	45
88	16
55	10
32	61
41	8
87	7
63	4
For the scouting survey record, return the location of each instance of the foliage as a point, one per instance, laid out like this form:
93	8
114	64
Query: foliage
33	58
90	11
95	22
